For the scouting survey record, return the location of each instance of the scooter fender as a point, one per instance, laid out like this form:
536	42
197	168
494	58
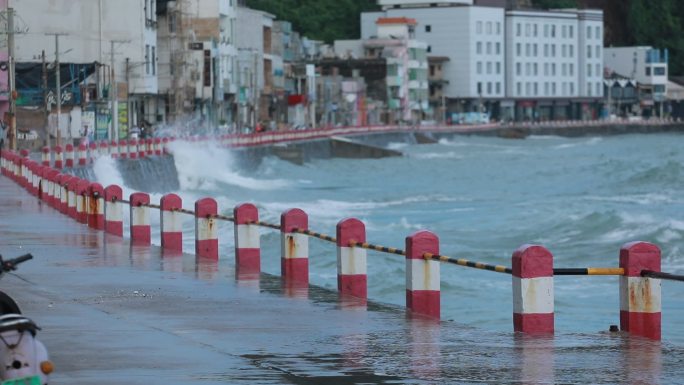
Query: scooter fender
21	355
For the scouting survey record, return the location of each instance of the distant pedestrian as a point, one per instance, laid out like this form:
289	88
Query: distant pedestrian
3	135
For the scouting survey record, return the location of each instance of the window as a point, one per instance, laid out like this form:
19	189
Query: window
563	50
564	31
536	89
154	60
553	88
546	69
498	48
498	68
518	89
172	22
147	59
589	70
589	89
546	30
429	48
478	47
489	88
535	69
534	50
489	68
489	28
553	50
546	50
659	71
489	48
648	71
498	28
564	69
598	70
498	88
428	28
478	27
571	31
572	89
527	29
598	89
589	51
527	69
518	49
528	89
564	89
479	88
572	69
571	51
598	32
527	49
534	30
518	69
588	32
553	30
479	67
546	88
553	69
518	29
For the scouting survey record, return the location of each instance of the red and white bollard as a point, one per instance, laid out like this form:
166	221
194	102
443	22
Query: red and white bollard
157	146
71	198
96	206
114	149
141	148
57	191
294	247
640	298
113	210
123	148
64	194
352	276
82	201
69	149
133	149
422	276
149	143
59	157
247	241
171	225
206	231
82	154
46	156
140	218
51	179
165	146
104	148
94	152
533	297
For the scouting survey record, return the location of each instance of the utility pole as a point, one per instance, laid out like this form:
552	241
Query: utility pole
58	88
13	92
114	90
46	100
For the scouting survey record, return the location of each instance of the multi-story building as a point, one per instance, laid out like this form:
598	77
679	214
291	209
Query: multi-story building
258	66
509	63
649	67
407	68
198	60
106	33
553	63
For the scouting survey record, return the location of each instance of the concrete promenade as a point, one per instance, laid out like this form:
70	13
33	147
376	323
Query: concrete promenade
118	314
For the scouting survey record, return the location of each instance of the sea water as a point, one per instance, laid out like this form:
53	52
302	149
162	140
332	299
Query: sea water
582	198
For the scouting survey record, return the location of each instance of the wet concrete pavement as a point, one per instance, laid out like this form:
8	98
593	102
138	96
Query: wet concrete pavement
113	313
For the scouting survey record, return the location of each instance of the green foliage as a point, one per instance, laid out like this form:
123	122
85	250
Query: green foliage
325	20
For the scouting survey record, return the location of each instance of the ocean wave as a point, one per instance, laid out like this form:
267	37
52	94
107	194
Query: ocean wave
437	155
670	173
206	167
591	142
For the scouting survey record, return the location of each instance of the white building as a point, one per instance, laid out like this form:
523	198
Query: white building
648	66
554	63
122	33
509	63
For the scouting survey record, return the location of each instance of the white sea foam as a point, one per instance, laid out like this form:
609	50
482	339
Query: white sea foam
203	166
397	145
438	155
106	172
591	142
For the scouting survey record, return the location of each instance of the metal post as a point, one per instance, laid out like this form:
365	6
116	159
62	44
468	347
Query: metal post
12	100
58	92
46	100
113	89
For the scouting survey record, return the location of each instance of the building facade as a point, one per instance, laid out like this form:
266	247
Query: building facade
124	49
510	64
198	61
648	66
